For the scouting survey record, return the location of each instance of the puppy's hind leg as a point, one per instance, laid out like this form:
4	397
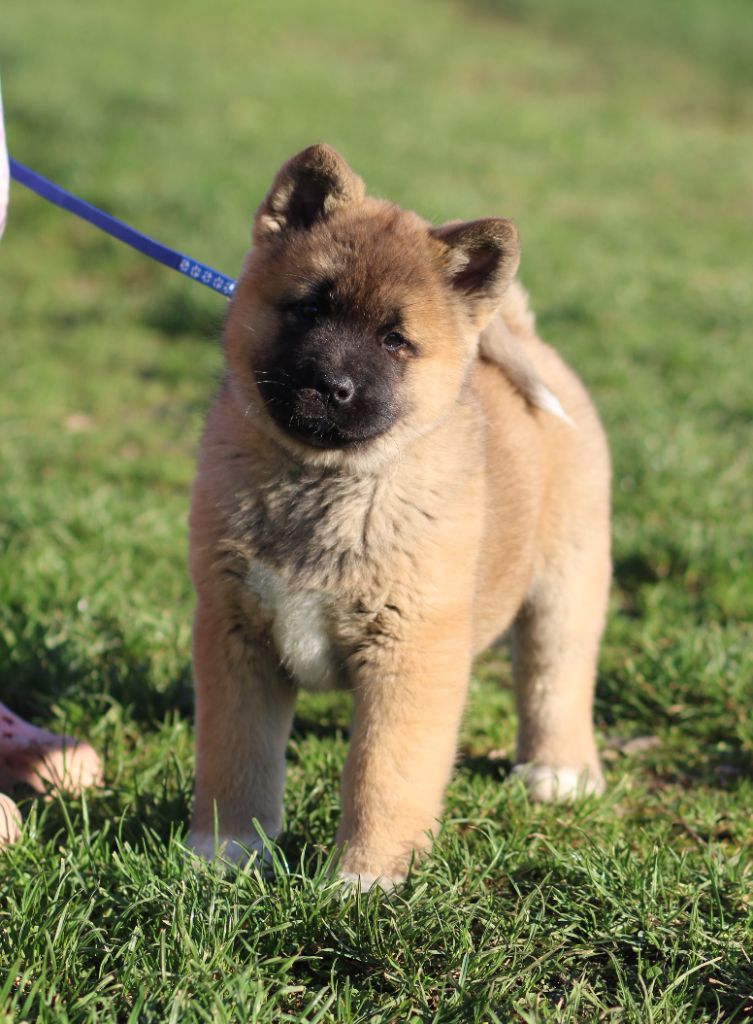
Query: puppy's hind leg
555	647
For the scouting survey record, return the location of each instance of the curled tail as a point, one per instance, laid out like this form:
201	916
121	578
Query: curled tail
503	342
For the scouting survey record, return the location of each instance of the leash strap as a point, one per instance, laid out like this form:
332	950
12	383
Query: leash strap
4	171
143	243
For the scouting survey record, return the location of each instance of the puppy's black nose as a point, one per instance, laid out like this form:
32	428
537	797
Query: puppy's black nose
337	387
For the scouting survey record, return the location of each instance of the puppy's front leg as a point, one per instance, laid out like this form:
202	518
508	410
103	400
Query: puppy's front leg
409	697
244	709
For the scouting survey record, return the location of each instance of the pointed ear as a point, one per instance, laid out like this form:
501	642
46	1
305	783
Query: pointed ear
481	258
306	189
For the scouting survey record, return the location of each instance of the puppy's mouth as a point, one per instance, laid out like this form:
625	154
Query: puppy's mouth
308	416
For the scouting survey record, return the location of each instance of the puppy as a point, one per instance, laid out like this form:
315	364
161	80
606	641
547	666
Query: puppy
394	471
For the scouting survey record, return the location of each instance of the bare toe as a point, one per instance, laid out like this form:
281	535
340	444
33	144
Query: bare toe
10	821
37	758
73	766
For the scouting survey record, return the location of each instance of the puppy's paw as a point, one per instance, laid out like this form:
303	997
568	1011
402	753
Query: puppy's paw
364	868
354	881
227	851
550	784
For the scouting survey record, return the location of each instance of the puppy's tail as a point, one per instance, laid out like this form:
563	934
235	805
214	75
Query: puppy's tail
515	310
503	342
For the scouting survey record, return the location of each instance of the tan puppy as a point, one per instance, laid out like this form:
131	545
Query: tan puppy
386	483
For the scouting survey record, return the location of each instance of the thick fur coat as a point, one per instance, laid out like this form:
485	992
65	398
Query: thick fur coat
395	471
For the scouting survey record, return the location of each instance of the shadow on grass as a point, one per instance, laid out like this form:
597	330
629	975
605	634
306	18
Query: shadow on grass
713	770
112	815
659	563
497	769
37	670
323	729
634	570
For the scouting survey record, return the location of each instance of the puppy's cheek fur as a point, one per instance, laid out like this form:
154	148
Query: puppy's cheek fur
435	389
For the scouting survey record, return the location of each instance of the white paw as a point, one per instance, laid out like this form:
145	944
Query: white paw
352	881
547	784
230	850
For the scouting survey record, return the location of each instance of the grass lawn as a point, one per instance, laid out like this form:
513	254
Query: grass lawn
620	139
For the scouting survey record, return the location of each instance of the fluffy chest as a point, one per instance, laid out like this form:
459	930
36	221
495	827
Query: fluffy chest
300	628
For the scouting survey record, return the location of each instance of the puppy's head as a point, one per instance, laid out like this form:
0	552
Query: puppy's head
353	323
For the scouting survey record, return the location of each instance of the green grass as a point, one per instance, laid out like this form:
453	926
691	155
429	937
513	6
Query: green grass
619	137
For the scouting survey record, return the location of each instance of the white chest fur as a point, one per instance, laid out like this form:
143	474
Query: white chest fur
299	629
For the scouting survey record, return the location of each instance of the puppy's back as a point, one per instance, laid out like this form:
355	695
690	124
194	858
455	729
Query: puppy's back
547	459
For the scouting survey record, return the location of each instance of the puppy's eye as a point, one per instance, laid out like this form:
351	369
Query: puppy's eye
394	342
308	310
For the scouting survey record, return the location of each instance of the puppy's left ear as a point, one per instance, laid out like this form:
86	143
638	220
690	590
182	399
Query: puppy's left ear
306	189
480	259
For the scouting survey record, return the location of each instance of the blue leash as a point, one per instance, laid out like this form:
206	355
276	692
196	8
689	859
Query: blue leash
161	253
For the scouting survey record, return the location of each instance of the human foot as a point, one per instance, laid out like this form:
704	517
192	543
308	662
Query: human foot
37	758
10	821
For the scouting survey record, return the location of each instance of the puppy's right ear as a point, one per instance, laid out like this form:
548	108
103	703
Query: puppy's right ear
308	188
